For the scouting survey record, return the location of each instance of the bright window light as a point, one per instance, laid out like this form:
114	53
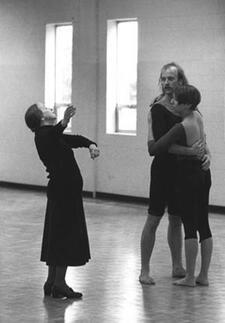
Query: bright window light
58	68
122	47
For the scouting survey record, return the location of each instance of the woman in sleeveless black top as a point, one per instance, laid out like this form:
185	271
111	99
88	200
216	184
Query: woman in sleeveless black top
193	184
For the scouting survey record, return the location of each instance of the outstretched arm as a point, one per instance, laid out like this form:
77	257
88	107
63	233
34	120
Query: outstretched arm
74	141
77	141
68	114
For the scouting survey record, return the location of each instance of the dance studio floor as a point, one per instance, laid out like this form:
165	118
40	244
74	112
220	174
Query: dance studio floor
109	282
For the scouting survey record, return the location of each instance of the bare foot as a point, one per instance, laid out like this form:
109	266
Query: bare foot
202	281
178	272
146	279
187	282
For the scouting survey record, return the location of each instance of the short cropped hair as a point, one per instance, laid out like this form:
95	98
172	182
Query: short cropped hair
33	117
181	77
187	94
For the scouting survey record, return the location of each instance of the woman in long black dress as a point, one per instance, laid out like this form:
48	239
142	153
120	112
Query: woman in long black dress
65	239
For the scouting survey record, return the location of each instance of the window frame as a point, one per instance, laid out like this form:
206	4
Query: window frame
112	105
50	69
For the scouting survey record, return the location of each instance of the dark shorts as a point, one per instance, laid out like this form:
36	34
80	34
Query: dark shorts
163	188
194	186
193	195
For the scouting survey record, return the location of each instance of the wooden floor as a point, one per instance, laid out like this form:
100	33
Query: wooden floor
109	281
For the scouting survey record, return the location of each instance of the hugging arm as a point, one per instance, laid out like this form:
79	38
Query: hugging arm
163	144
197	149
168	144
157	128
206	160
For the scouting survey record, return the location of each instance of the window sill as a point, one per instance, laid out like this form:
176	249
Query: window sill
122	134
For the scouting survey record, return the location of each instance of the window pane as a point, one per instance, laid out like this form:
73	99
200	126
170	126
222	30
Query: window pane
126	76
63	64
122	48
127	119
63	69
127	63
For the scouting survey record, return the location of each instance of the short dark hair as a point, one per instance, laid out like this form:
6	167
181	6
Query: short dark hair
33	117
181	77
187	94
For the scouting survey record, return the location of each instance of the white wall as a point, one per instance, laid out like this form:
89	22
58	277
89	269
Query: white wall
191	33
22	55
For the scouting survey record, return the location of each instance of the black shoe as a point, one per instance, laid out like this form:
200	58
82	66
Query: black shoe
47	289
58	292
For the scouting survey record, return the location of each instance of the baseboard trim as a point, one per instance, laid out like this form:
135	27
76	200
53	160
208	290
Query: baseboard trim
101	195
217	209
23	186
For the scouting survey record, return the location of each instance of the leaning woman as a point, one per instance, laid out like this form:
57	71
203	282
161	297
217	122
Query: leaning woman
65	239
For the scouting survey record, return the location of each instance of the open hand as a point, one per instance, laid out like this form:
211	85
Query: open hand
68	114
206	161
199	149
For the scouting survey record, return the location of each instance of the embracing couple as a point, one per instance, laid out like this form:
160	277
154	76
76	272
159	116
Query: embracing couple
180	179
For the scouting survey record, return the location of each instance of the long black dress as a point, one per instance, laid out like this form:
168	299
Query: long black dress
65	239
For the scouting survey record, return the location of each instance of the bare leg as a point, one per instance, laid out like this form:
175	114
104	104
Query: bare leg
147	245
206	253
174	237
191	251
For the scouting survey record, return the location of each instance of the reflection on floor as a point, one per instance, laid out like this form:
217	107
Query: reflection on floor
109	281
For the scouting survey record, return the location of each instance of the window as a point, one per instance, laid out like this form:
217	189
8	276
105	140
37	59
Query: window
122	48
58	68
